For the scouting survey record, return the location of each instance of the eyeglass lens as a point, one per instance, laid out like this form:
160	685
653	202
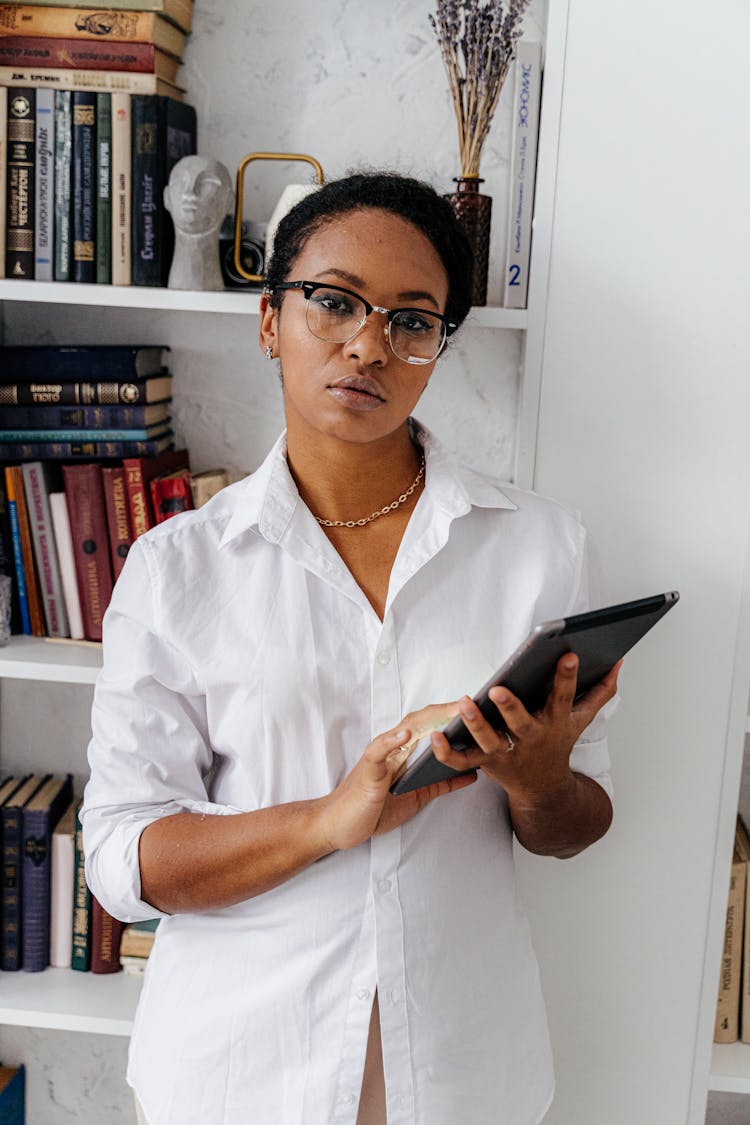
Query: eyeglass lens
416	336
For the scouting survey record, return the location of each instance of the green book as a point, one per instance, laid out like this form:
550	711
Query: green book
104	188
81	956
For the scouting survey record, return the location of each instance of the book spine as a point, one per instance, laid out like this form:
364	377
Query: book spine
83	450
81	943
45	185
48	565
84	186
180	132
88	525
82	24
27	551
62	876
526	103
118	517
181	11
106	933
147	207
104	189
46	363
13	1107
129	81
726	1029
7	562
67	53
59	435
3	173
10	954
85	394
23	598
21	133
139	507
121	188
78	418
63	174
35	890
64	543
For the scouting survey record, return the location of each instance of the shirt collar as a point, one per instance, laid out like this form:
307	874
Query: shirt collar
266	500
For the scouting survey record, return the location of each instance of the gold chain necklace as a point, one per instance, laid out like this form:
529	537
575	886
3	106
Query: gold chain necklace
381	511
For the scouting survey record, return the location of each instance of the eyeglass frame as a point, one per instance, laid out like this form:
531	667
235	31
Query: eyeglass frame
307	288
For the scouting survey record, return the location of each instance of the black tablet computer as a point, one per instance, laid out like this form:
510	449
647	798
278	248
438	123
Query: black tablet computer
599	638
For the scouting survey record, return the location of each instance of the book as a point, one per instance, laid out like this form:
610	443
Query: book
13	1095
121	188
149	433
106	933
81	941
118	516
59	78
62	878
21	172
206	484
138	938
170	494
63	174
179	11
47	363
726	1027
139	472
15	542
85	450
128	393
38	484
164	131
3	176
7	560
83	187
99	26
11	815
88	526
526	105
44	200
16	496
64	543
103	188
82	418
22	50
40	816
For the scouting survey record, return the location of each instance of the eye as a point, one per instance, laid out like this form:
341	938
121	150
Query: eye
333	303
415	323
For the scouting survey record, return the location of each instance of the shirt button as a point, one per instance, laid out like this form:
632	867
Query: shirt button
384	658
363	994
393	995
384	886
350	1099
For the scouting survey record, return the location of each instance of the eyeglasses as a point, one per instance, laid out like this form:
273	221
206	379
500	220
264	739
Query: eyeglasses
336	315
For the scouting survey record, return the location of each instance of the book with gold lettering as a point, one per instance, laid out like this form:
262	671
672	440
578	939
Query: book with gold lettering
88	526
84	186
21	166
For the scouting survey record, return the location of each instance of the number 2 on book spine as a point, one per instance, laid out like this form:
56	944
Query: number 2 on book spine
514	272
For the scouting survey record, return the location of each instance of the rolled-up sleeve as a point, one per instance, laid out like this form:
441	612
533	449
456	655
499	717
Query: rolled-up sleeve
149	753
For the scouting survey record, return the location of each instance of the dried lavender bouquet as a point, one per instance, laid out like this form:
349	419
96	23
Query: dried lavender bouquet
477	40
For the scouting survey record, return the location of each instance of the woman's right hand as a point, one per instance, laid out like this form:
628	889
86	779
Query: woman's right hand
361	806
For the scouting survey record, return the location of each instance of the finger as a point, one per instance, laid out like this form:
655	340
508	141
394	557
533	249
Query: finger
593	701
563	693
515	716
456	759
483	733
428	793
382	748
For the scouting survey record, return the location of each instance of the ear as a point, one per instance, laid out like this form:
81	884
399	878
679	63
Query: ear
268	336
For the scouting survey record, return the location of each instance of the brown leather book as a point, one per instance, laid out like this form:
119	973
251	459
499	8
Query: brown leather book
88	527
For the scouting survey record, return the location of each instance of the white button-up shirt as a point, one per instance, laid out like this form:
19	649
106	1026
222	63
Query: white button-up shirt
244	668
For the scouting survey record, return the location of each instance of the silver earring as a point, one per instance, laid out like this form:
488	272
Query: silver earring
268	353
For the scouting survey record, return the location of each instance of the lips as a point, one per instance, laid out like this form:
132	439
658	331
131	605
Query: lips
363	384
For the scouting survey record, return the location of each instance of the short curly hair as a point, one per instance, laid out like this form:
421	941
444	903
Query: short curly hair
413	200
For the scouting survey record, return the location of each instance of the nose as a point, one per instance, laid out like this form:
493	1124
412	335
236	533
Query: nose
370	343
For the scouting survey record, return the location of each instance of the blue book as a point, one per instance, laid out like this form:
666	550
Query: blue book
40	417
49	364
15	534
11	817
12	1095
40	815
147	434
83	450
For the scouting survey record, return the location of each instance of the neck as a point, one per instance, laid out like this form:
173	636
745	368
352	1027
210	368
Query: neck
340	480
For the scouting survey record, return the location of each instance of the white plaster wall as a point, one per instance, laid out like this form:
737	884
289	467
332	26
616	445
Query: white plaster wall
351	84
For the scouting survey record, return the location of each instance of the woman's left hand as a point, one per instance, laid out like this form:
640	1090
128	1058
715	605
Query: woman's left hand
538	761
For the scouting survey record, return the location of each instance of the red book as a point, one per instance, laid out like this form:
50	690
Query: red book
139	472
118	516
106	933
88	527
77	54
171	494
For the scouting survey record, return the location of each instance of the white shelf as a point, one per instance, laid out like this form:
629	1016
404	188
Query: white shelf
730	1068
39	658
241	303
67	1000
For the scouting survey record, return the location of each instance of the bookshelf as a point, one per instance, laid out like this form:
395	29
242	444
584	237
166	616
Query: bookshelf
64	1000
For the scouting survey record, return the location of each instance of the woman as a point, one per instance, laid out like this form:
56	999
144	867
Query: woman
329	950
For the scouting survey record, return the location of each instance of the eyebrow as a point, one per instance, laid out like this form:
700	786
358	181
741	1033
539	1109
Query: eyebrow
405	295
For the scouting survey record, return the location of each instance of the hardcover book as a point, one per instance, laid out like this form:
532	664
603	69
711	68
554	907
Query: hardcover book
3	175
81	945
13	1095
21	172
47	363
170	494
63	177
11	815
106	933
59	78
45	185
38	484
83	417
121	188
103	189
726	1027
139	472
7	561
127	393
88	525
17	498
62	879
32	51
206	484
526	104
64	543
84	186
99	26
180	11
15	543
118	516
85	450
40	816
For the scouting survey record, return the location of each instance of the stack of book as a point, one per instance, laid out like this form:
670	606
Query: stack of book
91	124
733	1004
136	945
49	916
92	466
